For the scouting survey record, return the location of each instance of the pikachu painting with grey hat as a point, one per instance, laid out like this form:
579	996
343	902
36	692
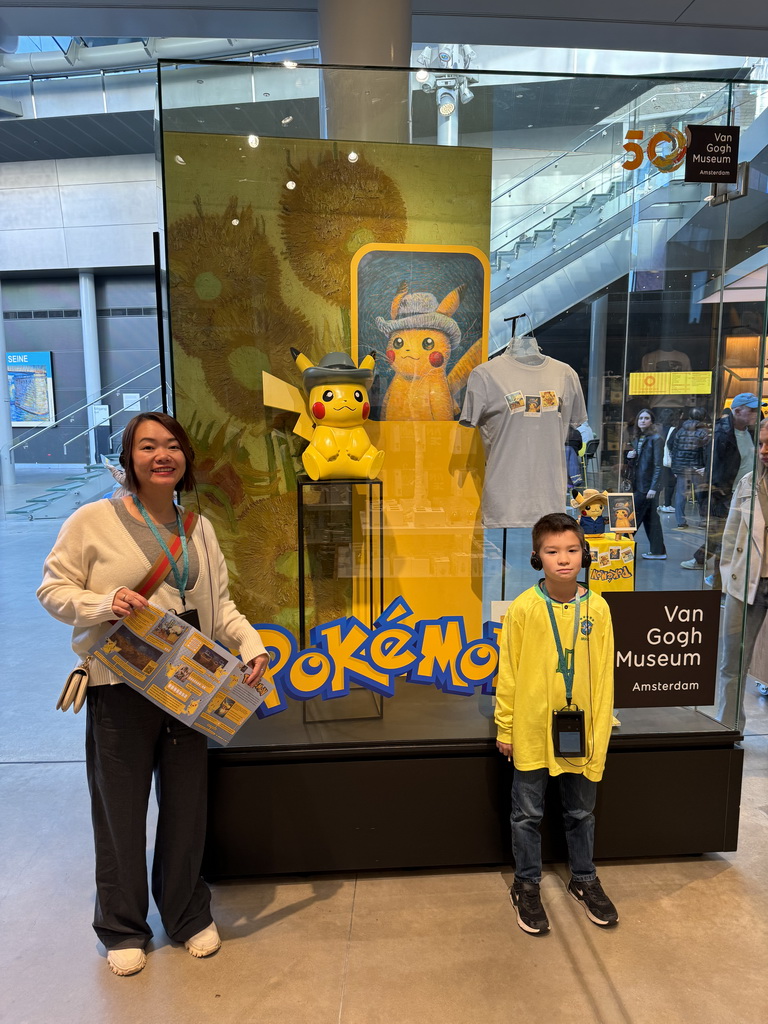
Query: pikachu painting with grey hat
421	334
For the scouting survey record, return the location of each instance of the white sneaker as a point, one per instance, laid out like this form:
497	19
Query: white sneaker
205	942
691	563
126	961
666	508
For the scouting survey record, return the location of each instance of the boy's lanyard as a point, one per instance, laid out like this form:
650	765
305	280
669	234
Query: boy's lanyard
181	577
565	658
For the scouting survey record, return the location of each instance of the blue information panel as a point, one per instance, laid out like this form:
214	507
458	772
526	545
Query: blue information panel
30	381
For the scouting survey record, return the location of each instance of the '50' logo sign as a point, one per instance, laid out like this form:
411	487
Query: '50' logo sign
666	162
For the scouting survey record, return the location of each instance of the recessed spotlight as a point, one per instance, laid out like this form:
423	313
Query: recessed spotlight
353	157
422	76
235	221
180	159
290	64
287	120
253	141
291	185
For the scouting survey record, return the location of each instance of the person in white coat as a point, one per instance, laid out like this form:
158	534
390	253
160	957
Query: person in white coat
744	570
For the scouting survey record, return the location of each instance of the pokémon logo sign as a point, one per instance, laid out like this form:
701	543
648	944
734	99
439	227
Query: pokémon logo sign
430	652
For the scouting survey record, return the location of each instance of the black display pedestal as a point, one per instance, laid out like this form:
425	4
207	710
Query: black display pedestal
341	534
338	807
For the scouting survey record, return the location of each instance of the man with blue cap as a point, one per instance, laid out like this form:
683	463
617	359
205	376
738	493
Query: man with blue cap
733	456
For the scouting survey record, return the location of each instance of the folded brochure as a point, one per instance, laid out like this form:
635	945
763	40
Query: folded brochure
182	671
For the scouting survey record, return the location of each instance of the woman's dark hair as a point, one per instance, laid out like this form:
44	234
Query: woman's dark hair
173	426
697	412
654	427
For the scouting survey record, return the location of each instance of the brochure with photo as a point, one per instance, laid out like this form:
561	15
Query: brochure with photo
182	671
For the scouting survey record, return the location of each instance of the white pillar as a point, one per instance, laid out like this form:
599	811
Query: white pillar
372	105
90	353
598	341
7	468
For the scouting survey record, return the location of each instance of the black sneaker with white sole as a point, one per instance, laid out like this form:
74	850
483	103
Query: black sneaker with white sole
598	907
526	900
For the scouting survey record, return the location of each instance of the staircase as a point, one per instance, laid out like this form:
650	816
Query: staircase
582	239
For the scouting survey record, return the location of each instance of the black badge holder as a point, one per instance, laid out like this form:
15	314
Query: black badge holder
568	734
191	618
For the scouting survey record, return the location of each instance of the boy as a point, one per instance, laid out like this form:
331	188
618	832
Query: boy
543	672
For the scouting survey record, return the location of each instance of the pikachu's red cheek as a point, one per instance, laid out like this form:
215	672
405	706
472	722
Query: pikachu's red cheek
436	358
366	410
391	355
318	410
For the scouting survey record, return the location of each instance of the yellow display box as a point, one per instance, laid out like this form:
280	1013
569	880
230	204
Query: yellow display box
613	562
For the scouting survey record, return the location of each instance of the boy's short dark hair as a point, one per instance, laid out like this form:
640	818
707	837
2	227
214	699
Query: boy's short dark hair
555	522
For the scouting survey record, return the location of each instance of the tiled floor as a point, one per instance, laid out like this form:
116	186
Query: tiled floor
401	948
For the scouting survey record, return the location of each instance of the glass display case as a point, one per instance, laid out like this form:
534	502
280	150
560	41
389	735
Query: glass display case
291	226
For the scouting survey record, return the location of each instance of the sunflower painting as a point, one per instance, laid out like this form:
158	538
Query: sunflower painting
260	243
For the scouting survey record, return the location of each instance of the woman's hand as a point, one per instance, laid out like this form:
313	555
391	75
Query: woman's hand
631	454
258	667
505	749
651	494
125	600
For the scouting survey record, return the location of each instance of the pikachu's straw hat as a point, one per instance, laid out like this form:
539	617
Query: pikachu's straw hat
590	494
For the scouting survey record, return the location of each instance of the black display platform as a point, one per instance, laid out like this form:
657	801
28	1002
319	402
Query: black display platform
443	803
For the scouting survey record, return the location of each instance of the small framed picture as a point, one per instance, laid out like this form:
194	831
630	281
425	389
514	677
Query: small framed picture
515	401
532	405
621	513
549	401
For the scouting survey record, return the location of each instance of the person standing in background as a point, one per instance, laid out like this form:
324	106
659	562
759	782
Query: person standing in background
733	456
688	450
645	463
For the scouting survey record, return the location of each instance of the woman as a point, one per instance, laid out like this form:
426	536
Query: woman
90	579
646	460
687	447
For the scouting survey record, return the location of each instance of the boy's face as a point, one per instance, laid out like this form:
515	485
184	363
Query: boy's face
560	555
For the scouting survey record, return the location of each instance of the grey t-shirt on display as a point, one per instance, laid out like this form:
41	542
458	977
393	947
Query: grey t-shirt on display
523	413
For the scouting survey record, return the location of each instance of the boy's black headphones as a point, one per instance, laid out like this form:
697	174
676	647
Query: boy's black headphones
586	558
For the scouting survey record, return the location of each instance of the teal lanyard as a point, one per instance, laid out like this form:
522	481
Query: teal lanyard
565	658
181	577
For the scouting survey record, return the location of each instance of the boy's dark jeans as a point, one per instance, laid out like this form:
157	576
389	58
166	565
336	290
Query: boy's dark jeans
577	795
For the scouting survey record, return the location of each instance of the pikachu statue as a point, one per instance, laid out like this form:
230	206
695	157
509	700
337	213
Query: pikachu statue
337	393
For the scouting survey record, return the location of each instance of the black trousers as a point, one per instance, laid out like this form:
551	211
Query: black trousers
647	515
127	740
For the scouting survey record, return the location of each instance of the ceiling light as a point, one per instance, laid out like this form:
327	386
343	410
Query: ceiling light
446	109
422	76
290	64
253	141
353	157
291	185
287	120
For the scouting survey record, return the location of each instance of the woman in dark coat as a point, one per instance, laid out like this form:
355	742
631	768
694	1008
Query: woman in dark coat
645	460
